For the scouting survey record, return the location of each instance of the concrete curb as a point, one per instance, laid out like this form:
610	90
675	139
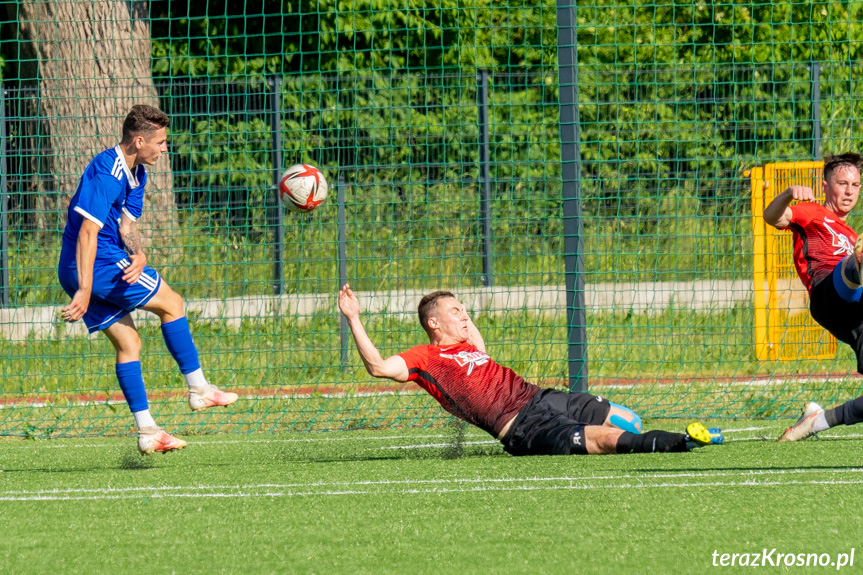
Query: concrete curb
42	322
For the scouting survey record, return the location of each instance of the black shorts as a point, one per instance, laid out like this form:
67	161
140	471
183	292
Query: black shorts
552	423
841	318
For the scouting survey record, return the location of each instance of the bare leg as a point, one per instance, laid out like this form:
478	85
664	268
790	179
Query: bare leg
125	339
167	304
601	440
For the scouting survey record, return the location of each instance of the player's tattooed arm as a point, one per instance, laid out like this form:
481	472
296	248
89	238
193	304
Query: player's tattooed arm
132	239
135	246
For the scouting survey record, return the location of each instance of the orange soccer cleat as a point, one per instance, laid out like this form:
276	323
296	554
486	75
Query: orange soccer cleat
805	425
156	439
210	396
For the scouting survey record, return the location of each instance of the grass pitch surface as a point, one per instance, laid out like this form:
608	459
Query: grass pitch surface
400	502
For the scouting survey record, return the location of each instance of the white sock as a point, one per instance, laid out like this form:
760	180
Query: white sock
144	419
821	423
196	380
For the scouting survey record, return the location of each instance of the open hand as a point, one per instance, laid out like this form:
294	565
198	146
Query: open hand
348	302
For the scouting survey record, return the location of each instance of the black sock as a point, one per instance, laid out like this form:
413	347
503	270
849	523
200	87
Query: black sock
849	413
651	442
834	417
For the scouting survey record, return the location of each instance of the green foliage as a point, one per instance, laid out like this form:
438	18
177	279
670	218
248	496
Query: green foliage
675	100
332	35
682	93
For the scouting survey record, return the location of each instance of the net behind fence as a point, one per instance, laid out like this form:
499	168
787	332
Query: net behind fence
676	102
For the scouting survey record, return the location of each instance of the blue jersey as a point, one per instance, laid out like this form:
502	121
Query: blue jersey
106	190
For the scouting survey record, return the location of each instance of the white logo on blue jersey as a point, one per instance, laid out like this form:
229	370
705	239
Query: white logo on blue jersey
107	189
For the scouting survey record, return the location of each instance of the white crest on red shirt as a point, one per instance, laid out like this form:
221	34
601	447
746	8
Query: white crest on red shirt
468	358
840	241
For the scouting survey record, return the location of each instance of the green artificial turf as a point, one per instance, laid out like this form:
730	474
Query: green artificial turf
415	501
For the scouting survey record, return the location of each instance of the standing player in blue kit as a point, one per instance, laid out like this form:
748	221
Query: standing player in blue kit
104	270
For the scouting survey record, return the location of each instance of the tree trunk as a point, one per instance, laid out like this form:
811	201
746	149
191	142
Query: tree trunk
94	64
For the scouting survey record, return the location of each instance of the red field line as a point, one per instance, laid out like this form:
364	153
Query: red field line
754	380
285	392
393	388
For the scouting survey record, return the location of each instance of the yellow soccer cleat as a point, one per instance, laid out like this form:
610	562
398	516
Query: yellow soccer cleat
697	433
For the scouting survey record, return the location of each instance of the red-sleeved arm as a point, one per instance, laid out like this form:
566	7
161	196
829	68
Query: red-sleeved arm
802	213
417	359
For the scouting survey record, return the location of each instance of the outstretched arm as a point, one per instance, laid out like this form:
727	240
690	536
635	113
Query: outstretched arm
393	367
778	213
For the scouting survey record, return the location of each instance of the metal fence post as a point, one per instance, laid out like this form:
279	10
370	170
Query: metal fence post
343	269
485	178
815	71
4	206
573	227
278	211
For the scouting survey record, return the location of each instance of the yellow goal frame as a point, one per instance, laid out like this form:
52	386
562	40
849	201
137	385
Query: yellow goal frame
784	330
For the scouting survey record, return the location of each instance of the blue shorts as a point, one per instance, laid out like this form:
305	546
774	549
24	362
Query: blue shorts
112	297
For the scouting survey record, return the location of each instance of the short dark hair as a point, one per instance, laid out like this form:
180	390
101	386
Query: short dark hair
846	160
143	119
428	305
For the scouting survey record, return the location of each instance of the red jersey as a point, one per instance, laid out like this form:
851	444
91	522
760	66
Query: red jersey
469	384
821	240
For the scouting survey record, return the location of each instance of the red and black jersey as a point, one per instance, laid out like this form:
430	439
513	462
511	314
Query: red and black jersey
821	240
469	384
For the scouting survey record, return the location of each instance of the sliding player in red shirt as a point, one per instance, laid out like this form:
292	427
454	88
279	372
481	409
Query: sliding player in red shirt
827	255
528	420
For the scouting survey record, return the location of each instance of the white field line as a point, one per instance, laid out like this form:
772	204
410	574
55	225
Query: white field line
474	486
44	444
739	439
749	473
429	445
821	435
494	442
48	444
362	394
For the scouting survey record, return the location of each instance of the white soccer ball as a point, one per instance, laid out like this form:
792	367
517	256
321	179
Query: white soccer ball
303	188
